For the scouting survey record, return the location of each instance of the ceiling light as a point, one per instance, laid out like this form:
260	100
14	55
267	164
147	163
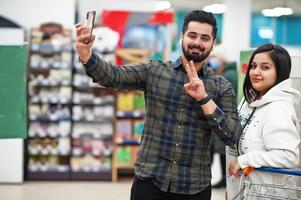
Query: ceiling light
266	33
215	8
162	5
277	12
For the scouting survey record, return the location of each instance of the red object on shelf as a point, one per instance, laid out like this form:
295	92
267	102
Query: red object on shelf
119	21
116	20
161	18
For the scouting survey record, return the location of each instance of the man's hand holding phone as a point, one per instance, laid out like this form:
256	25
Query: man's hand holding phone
84	37
90	23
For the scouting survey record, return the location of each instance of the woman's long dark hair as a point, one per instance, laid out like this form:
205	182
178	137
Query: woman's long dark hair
282	61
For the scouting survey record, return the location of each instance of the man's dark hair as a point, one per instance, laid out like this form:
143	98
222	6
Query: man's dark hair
202	17
282	62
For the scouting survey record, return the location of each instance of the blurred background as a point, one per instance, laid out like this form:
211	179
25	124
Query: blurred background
57	125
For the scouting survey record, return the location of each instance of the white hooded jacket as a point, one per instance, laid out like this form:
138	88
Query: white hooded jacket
271	138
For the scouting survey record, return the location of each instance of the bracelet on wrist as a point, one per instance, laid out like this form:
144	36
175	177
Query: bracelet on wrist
205	100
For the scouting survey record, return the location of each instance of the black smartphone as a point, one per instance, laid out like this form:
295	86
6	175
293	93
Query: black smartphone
90	18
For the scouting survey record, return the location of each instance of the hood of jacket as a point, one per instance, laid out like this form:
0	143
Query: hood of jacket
283	91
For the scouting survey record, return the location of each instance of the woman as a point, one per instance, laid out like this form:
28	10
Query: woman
270	135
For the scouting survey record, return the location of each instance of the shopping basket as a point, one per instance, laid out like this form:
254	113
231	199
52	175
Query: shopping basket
287	190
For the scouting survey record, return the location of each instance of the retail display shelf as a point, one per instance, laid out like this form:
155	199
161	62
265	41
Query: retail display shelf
69	125
129	126
104	175
129	142
48	175
131	114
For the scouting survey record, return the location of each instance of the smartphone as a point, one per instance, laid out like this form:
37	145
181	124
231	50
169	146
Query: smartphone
90	18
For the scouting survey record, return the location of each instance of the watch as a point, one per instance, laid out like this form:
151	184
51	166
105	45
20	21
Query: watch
205	100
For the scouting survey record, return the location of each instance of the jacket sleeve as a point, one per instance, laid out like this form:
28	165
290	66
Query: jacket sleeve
109	75
224	120
281	140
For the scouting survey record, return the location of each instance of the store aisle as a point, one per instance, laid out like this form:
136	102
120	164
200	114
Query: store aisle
74	191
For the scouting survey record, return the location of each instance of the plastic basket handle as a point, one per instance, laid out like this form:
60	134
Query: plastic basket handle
280	171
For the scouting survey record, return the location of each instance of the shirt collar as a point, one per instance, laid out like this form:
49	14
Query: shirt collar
205	71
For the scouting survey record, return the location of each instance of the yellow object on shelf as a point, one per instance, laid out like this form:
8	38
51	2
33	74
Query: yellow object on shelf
125	101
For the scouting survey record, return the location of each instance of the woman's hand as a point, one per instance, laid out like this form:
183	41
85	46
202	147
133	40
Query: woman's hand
195	88
234	168
83	47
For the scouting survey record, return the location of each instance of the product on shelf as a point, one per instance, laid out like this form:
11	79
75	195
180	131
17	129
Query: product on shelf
123	156
50	95
125	102
138	129
129	127
123	131
139	104
93	117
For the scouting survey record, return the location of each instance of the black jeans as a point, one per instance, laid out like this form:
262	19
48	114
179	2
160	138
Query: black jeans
146	190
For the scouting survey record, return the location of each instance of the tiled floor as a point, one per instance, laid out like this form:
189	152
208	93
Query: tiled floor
74	191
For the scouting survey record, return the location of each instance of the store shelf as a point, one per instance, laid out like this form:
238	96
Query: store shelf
49	93
63	98
93	118
128	131
98	175
130	114
129	142
48	175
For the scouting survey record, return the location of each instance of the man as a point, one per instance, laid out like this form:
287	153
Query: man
173	161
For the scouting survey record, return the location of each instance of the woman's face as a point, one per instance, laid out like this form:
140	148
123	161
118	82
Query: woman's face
263	73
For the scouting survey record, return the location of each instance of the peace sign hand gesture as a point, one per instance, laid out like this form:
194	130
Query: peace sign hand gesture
195	88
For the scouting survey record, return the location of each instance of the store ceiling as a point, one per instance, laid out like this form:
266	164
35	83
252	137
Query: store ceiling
257	5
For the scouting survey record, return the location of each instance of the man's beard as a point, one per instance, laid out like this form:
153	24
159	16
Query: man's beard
195	57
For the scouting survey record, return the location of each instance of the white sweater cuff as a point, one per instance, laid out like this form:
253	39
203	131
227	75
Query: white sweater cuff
242	161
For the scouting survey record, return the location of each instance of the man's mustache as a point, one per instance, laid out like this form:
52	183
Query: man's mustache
196	47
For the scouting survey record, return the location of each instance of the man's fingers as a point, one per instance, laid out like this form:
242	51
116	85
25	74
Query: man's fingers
80	29
78	25
84	37
192	68
86	42
191	71
187	85
194	85
188	70
91	40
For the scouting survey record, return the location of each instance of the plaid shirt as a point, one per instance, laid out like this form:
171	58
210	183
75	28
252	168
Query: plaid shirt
175	145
